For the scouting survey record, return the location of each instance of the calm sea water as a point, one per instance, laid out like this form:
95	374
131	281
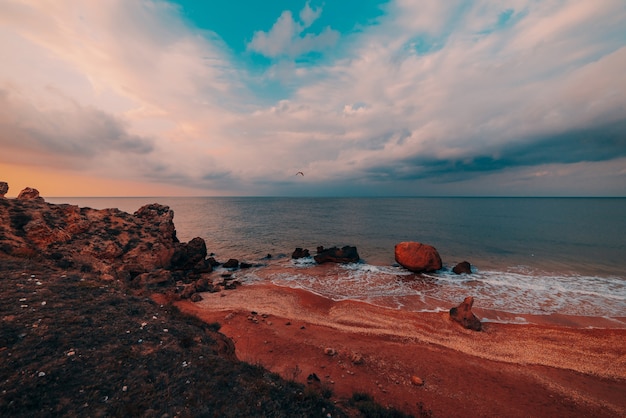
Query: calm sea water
530	255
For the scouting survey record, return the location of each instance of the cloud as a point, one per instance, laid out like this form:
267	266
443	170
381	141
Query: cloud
433	95
70	132
287	38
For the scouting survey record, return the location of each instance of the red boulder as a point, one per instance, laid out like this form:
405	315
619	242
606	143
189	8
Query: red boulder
417	257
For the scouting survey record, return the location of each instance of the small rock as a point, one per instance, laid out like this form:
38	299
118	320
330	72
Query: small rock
416	381
330	351
312	378
463	268
356	358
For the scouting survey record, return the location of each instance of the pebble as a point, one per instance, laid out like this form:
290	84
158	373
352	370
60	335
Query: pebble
330	351
416	381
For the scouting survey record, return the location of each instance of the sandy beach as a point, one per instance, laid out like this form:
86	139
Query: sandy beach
422	363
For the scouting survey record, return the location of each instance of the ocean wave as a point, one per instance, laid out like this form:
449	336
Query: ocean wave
518	290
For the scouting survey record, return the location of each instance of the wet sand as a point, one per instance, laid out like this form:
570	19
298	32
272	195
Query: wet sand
555	367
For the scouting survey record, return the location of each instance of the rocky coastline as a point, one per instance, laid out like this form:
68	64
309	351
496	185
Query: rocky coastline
106	313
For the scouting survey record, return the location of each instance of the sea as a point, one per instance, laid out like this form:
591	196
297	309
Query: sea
529	256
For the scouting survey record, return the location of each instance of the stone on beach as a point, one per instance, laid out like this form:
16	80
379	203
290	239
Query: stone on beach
463	315
300	253
344	255
417	257
463	267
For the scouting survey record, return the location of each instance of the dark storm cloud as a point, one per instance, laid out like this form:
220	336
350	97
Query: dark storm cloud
600	143
68	129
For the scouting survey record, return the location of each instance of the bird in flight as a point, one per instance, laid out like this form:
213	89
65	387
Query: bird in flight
300	173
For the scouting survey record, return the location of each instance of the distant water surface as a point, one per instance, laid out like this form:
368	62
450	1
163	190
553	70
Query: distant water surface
530	255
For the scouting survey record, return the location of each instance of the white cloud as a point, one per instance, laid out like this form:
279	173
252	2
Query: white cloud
286	37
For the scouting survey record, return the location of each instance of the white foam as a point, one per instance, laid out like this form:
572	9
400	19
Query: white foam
518	290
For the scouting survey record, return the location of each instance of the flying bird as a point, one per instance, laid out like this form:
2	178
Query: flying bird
301	173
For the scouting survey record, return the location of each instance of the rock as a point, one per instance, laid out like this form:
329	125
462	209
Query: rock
188	291
4	188
213	262
196	297
158	277
109	242
312	378
416	381
356	358
29	194
245	265
202	285
203	266
344	255
330	351
463	315
188	255
463	268
232	263
417	257
300	253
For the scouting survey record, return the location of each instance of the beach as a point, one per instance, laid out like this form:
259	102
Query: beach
420	362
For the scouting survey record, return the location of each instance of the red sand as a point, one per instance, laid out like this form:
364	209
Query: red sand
553	369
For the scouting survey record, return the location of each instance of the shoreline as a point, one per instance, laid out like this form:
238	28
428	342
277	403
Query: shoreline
550	368
409	292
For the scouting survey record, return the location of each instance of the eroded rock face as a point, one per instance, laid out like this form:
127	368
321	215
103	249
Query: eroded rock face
417	257
4	188
343	255
463	315
108	241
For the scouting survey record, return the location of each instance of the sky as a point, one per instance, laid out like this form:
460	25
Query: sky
363	97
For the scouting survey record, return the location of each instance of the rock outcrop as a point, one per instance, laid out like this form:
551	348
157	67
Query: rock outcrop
463	267
4	188
344	255
109	241
417	257
29	194
463	315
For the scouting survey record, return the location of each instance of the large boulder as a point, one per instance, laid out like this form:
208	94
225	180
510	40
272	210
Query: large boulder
344	255
417	257
463	315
